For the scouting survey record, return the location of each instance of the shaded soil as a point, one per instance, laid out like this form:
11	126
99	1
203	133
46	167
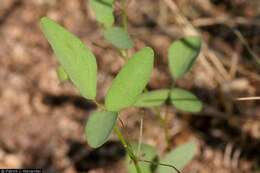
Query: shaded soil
42	120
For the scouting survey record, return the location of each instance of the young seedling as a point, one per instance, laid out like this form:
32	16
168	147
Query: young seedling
78	64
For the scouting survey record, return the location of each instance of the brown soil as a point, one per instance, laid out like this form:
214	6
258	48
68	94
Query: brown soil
42	121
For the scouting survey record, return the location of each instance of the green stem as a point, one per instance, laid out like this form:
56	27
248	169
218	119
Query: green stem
123	54
124	15
164	124
125	26
128	149
100	106
162	164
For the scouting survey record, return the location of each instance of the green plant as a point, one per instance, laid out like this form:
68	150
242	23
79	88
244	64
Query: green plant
128	89
173	161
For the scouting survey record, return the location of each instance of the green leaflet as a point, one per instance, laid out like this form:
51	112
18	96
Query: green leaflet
99	126
182	54
152	98
185	100
103	10
76	59
118	37
130	81
147	152
62	75
178	157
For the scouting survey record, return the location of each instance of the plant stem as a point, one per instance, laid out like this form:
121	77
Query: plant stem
162	164
164	124
128	149
100	106
140	137
123	54
124	15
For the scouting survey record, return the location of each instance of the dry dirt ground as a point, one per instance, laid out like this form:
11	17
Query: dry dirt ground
42	120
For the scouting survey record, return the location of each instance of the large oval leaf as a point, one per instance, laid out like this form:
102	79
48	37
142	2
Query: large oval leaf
182	54
152	98
185	100
147	152
118	37
99	126
178	157
103	10
130	81
76	59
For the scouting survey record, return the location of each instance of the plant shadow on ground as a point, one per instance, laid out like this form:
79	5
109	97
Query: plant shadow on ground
216	132
59	100
219	130
85	159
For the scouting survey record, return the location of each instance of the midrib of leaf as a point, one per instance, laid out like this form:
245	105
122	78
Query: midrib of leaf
77	57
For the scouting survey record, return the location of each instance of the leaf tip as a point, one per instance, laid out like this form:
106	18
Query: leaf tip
149	50
44	20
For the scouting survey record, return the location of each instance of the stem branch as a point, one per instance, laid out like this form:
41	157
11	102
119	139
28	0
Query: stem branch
128	149
164	124
99	105
124	15
162	164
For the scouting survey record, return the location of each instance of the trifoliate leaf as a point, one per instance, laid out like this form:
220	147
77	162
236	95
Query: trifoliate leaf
130	81
76	59
99	126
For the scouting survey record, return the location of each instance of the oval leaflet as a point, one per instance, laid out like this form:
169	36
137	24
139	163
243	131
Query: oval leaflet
130	81
75	58
118	37
182	54
185	100
99	126
103	10
152	98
